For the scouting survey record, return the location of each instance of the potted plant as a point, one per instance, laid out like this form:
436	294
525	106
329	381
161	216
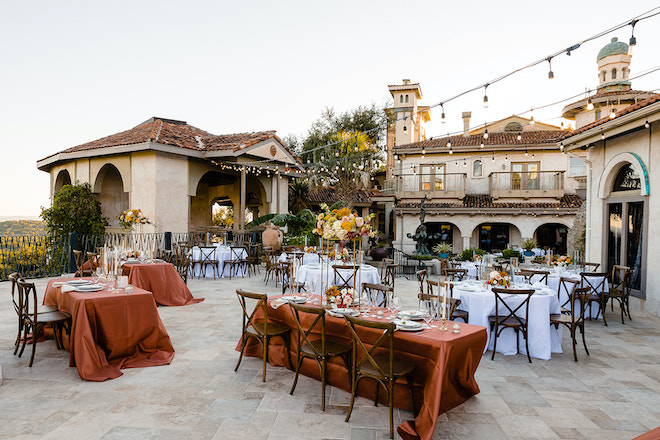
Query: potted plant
443	249
528	245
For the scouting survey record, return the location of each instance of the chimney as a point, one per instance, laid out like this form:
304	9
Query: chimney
406	82
466	123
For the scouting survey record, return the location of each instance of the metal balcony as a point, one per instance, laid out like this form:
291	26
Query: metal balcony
526	184
444	186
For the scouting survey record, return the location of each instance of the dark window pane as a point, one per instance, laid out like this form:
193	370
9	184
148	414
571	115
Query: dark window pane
634	241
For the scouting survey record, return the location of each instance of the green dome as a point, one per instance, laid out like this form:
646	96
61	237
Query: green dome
616	47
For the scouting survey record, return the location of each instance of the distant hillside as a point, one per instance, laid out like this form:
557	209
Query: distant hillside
22	227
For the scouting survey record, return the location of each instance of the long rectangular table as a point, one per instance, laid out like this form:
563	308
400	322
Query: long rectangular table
111	331
444	375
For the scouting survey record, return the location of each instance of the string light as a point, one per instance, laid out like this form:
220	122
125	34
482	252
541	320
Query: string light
633	40
550	74
486	95
442	117
646	124
602	135
613	113
482	144
590	104
486	134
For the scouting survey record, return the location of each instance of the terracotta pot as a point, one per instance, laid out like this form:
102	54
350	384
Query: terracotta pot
378	253
272	237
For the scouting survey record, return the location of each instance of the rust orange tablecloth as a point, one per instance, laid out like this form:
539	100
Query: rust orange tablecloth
163	281
111	331
445	366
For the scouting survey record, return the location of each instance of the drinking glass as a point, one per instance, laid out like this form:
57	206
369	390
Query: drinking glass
396	305
425	313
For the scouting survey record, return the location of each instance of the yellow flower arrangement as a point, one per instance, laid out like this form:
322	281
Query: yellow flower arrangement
499	278
340	298
132	217
342	224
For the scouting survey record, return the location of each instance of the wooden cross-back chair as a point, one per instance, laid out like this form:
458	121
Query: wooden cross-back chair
566	285
455	274
434	288
574	320
345	275
208	258
378	294
313	343
390	274
508	318
237	260
619	289
596	281
378	363
534	276
263	331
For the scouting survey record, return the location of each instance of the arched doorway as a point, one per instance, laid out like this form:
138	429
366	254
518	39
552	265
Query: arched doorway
63	178
626	217
495	237
110	189
444	231
552	236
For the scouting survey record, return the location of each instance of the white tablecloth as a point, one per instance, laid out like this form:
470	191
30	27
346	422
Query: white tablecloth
543	338
308	257
311	275
222	254
471	269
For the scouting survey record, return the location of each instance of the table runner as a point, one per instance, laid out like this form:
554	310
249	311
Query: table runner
444	374
111	331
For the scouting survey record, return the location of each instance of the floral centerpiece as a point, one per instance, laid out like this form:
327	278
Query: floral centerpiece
561	261
132	217
343	255
342	224
340	298
310	249
498	279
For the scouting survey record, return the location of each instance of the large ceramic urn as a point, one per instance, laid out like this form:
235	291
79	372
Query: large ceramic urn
272	237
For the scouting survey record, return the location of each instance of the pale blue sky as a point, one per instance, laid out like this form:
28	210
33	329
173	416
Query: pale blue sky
76	71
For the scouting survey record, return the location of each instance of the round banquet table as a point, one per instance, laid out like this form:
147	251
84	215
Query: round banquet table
311	274
543	338
222	254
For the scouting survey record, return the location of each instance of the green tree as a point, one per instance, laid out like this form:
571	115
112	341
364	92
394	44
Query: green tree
75	209
342	150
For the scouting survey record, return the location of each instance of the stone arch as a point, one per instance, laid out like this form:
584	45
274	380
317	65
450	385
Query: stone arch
611	169
109	187
63	178
553	235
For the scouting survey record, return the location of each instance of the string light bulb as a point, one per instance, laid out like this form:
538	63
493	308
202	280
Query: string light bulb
486	96
590	104
613	113
526	154
482	144
519	137
442	117
449	143
550	74
486	134
646	124
602	134
633	40
450	150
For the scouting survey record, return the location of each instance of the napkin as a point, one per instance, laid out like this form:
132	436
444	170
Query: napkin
67	288
277	303
58	283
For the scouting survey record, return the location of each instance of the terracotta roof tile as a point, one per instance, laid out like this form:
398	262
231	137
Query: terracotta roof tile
624	111
494	139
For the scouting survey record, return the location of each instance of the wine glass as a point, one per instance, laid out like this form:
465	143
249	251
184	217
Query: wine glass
395	305
432	308
425	313
365	304
96	275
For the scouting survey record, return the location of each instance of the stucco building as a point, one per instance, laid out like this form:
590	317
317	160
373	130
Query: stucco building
175	173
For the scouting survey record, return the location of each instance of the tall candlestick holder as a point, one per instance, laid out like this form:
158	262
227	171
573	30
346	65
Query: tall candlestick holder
443	326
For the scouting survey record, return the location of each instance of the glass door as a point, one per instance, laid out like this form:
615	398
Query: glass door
614	234
634	240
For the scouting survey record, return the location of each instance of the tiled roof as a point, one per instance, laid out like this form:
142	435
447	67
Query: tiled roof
326	194
568	201
624	111
494	139
178	134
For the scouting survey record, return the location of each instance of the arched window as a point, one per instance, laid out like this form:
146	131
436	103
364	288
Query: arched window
401	98
604	75
406	99
476	169
613	73
624	73
627	179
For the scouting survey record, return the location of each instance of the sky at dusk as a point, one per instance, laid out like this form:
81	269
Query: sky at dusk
73	72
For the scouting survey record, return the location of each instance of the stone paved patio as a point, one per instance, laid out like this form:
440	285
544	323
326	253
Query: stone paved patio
612	394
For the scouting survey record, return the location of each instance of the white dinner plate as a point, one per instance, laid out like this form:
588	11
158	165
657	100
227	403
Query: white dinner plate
342	311
295	298
78	282
414	315
89	288
132	261
408	325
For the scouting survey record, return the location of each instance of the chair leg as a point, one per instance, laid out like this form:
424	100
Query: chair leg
295	379
529	358
324	363
240	356
355	381
411	383
492	358
18	336
603	305
584	342
390	403
34	345
573	329
265	355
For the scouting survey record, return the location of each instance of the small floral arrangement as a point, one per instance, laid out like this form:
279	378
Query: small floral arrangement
132	217
340	298
343	255
561	261
499	278
310	249
342	224
129	254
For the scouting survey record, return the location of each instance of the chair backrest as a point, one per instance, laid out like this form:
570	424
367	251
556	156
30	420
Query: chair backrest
422	275
437	301
366	355
534	276
567	285
596	281
579	302
511	310
390	275
183	265
620	278
78	255
93	258
316	327
378	294
16	297
345	275
207	254
28	299
238	253
246	299
591	267
454	274
383	266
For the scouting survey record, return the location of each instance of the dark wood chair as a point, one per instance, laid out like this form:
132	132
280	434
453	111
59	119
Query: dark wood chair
390	275
93	258
262	331
285	271
454	274
619	289
505	316
579	300
80	272
378	294
34	319
377	362
422	276
345	275
452	303
208	258
237	260
591	267
433	288
596	281
272	267
566	285
314	344
383	266
534	276
182	263
254	258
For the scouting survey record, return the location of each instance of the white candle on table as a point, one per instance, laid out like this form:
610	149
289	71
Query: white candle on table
444	305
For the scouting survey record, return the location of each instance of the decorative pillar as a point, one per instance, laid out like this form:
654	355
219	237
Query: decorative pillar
466	242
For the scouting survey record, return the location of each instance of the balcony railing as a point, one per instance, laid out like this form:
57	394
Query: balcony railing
526	184
448	185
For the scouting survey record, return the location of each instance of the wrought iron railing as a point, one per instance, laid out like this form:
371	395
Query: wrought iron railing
526	184
34	256
407	265
450	185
